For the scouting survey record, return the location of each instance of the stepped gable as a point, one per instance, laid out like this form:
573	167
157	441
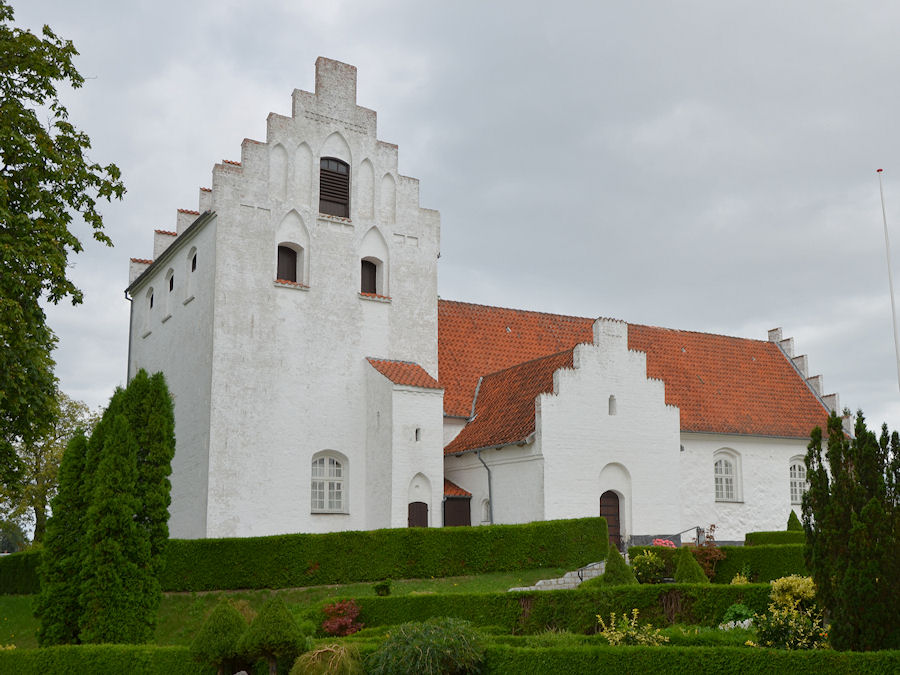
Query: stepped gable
474	340
720	384
504	404
729	385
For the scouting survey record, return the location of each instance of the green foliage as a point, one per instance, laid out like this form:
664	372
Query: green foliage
382	588
617	572
687	569
119	593
293	560
58	606
18	573
794	524
332	659
99	660
708	554
437	646
340	618
768	562
46	179
737	612
12	538
851	516
694	660
273	635
775	537
217	641
790	627
625	631
794	591
648	567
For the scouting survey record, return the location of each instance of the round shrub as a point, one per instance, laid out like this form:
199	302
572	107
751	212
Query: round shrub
217	641
793	591
433	647
648	567
687	569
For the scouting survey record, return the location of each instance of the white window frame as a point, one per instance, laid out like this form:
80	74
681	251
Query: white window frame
798	481
727	476
329	478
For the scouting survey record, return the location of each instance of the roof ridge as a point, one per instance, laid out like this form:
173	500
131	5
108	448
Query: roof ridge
699	332
523	311
525	363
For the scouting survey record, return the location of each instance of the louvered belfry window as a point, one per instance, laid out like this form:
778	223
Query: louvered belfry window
334	187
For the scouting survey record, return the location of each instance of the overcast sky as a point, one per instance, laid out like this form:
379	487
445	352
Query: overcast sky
706	166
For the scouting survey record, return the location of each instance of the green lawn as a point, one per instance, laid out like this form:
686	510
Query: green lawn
182	614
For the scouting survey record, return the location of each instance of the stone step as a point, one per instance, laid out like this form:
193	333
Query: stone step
567	581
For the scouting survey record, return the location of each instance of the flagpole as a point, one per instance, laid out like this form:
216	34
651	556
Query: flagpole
887	248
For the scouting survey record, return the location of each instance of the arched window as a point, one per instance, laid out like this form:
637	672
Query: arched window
798	480
189	275
485	512
612	405
168	294
290	263
726	470
334	187
328	493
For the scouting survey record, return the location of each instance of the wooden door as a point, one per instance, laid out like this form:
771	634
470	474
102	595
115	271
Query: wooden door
418	514
609	509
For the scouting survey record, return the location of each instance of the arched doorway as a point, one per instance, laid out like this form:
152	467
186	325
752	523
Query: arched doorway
609	509
418	514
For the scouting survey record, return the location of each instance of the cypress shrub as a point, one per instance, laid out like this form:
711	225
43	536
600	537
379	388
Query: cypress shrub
617	572
687	569
217	641
273	635
794	524
119	593
58	606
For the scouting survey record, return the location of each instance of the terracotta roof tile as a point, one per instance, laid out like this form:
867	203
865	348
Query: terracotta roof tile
166	232
143	261
404	372
451	489
474	340
193	213
720	384
205	189
727	384
504	405
231	162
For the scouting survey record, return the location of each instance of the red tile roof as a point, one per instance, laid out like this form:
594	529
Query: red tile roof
404	372
474	340
729	385
720	384
231	161
168	232
504	405
205	189
193	213
143	261
451	489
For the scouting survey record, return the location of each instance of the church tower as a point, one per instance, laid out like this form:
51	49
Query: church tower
295	317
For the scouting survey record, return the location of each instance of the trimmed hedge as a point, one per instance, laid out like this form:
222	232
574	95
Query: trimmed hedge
18	573
575	611
694	660
291	560
101	660
777	537
766	562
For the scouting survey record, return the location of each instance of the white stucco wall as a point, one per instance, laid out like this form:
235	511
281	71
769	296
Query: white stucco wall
763	501
181	347
587	450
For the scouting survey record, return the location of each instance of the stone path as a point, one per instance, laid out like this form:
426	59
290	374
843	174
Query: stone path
566	581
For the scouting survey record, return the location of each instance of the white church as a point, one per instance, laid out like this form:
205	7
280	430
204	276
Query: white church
320	384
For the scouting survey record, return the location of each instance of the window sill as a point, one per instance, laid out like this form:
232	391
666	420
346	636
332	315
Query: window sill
330	513
334	219
729	501
187	300
166	318
375	297
284	283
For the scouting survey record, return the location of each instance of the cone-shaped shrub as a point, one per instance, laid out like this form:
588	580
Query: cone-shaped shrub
794	524
617	572
58	606
217	641
687	569
273	635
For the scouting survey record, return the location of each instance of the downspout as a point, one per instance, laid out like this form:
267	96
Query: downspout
490	488
130	323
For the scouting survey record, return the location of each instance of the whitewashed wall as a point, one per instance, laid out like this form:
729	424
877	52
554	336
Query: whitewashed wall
764	499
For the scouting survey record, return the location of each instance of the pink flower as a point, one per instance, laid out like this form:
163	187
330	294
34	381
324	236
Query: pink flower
667	543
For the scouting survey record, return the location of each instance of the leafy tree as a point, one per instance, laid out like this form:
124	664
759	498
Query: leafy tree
273	635
40	460
12	538
794	524
117	587
46	179
217	641
687	569
851	515
58	606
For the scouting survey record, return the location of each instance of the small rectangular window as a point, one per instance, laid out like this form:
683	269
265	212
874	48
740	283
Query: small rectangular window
287	264
194	263
369	274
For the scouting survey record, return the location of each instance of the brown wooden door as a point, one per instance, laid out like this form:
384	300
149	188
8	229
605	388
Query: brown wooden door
609	509
418	514
457	511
